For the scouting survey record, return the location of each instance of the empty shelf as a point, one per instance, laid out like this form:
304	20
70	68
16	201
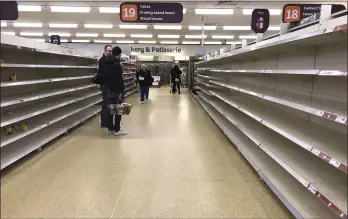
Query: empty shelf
320	178
10	65
16	99
36	109
24	146
295	197
41	81
37	123
325	144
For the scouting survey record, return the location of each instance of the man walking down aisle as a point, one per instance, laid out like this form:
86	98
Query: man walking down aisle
102	72
175	75
145	81
115	89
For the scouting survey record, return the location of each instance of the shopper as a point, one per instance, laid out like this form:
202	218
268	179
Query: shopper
145	81
115	89
175	75
102	72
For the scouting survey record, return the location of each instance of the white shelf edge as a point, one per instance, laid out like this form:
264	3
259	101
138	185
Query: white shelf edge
13	102
22	135
48	109
291	72
41	81
342	119
311	188
9	65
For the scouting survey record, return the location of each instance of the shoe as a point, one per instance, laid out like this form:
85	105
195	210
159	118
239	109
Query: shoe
142	102
121	132
111	132
148	101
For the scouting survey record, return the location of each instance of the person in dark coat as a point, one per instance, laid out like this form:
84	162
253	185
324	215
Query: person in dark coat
101	71
115	88
175	75
145	81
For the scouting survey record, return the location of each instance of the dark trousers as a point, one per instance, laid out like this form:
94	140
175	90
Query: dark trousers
104	111
144	92
176	86
114	121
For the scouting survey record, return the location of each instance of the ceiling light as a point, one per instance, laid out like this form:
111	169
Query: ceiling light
20	24
236	28
111	10
167	27
191	42
55	25
63	40
213	11
9	33
130	26
70	9
147	42
98	25
200	28
80	41
247	37
169	42
124	41
141	35
114	35
169	36
195	36
30	34
273	28
222	37
60	34
184	11
271	11
102	41
29	8
3	24
86	34
234	42
212	43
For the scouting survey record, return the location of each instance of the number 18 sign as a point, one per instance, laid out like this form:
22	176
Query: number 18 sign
144	12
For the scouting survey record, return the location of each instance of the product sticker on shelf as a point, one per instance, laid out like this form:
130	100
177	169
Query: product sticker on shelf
312	189
334	163
315	151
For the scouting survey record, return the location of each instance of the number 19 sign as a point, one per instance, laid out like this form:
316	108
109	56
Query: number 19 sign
143	12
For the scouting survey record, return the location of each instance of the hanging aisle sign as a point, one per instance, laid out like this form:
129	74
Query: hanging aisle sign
260	20
144	12
298	12
8	10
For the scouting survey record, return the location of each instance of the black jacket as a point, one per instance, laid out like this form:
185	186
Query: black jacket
113	74
175	73
147	78
102	69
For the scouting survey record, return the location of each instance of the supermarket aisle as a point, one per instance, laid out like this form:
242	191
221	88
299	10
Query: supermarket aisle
174	163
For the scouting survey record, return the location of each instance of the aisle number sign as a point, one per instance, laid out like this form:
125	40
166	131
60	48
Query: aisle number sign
8	10
298	12
143	12
260	20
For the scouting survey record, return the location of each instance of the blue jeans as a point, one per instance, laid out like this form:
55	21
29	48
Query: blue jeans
144	92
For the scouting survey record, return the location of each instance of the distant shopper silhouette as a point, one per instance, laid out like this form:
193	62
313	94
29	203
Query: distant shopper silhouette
175	75
145	81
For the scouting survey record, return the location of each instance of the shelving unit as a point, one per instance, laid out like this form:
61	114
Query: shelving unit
52	92
283	103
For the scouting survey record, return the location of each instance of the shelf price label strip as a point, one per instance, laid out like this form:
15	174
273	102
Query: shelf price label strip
297	176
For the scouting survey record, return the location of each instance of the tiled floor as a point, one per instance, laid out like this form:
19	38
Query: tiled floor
174	163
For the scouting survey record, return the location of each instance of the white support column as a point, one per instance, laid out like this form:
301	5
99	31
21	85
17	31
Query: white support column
244	42
284	27
325	13
259	37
